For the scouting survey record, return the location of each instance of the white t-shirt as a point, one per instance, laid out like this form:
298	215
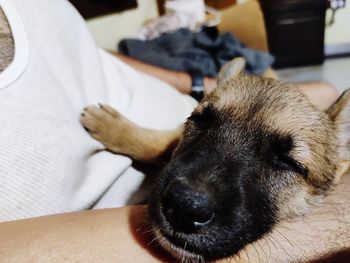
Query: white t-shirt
48	163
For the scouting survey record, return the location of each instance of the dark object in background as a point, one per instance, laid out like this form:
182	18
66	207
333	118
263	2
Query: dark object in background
204	52
295	31
94	8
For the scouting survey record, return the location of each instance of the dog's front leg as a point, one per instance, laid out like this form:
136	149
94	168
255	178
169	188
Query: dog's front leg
120	135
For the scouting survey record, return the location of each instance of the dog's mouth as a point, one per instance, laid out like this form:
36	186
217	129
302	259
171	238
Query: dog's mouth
197	242
198	221
179	252
212	241
222	236
176	243
183	219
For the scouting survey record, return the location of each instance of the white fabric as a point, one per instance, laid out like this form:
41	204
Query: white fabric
180	14
48	163
21	57
192	8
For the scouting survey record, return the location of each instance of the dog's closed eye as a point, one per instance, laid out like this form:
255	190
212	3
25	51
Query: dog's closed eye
285	162
204	118
279	156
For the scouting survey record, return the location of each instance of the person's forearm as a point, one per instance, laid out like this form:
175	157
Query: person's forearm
320	93
115	235
180	80
108	235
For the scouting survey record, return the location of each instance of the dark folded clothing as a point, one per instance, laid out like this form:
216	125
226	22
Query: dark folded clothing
205	52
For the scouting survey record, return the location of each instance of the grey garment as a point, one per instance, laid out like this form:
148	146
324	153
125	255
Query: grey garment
204	52
6	42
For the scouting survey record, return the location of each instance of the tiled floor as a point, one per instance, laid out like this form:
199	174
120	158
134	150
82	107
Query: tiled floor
335	71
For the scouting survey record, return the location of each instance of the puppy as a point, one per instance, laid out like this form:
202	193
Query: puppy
254	152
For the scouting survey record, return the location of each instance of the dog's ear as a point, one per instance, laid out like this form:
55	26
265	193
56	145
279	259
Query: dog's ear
339	113
231	69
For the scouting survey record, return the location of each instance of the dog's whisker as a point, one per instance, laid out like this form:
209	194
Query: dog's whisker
284	237
263	251
153	240
282	247
257	252
270	251
248	256
271	241
185	245
147	231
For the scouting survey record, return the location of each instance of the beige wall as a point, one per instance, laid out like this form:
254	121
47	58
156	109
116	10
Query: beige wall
108	30
339	32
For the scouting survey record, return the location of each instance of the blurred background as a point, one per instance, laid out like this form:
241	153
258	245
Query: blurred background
310	39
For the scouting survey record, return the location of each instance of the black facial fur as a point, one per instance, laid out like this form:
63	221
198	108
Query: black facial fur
217	167
204	119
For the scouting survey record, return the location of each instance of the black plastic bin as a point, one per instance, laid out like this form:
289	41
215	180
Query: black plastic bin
295	31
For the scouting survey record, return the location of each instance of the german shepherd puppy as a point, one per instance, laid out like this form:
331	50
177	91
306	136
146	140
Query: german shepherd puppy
254	152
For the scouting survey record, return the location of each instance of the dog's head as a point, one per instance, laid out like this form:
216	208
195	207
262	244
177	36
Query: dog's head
254	152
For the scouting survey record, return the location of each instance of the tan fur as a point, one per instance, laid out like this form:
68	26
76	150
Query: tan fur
293	114
6	43
120	135
303	120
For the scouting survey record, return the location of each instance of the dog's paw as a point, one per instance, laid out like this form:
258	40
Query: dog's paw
106	125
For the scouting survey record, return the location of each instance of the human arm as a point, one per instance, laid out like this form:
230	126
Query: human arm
320	93
180	80
122	235
92	236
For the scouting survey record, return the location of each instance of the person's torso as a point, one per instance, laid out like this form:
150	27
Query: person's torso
47	161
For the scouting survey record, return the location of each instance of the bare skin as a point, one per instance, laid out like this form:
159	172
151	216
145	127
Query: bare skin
180	80
122	235
320	93
6	42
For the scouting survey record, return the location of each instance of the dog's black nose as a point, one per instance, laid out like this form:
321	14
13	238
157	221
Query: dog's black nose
186	208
